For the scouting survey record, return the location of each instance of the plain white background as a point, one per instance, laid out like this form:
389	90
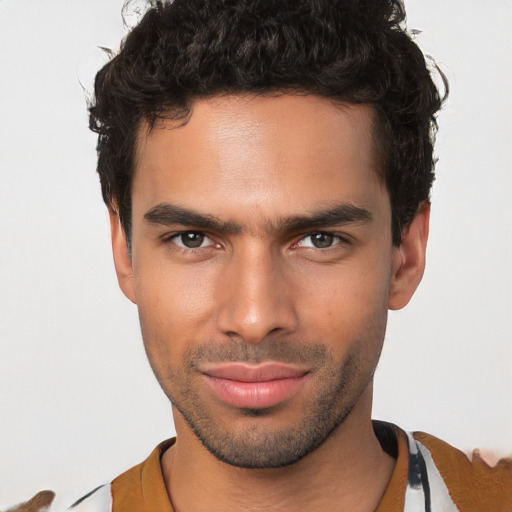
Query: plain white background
78	402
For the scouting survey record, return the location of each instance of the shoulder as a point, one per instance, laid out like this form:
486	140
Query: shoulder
140	488
98	500
473	484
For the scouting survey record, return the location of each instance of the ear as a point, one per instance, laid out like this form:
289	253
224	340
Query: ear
122	260
409	259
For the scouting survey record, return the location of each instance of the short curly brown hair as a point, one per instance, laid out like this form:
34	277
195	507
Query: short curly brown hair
354	51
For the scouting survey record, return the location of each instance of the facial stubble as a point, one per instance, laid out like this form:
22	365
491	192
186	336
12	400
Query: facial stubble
338	386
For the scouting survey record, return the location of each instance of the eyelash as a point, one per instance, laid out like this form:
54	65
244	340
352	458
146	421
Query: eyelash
336	239
177	236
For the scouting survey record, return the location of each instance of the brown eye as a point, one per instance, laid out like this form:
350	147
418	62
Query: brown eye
190	239
322	240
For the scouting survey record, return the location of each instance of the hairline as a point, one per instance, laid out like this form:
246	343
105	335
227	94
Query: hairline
181	114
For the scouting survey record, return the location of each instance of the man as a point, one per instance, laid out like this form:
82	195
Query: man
267	168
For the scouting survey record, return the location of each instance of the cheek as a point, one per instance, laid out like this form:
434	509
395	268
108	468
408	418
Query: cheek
164	291
347	306
175	305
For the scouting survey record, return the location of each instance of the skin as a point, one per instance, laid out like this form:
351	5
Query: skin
257	288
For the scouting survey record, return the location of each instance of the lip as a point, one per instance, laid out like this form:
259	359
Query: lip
254	386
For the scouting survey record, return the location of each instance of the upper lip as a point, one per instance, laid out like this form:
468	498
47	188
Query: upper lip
245	372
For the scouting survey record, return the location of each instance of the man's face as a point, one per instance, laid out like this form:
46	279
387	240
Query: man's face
262	262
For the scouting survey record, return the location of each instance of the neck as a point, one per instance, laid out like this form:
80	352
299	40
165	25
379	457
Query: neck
349	471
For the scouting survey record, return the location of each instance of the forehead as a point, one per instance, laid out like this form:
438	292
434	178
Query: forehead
256	152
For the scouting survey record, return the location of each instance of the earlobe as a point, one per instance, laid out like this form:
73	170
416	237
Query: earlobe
409	259
122	260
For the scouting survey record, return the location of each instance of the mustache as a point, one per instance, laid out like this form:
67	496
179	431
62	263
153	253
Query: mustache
269	350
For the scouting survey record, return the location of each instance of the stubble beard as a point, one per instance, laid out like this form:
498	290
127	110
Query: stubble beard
338	389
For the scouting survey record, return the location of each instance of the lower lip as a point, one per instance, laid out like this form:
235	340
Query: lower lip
255	395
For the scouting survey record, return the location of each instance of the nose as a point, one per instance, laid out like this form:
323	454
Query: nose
256	297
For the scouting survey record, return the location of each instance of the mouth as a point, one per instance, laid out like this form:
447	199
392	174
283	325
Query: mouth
254	386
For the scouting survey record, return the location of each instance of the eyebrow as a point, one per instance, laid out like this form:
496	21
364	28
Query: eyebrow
338	215
167	214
